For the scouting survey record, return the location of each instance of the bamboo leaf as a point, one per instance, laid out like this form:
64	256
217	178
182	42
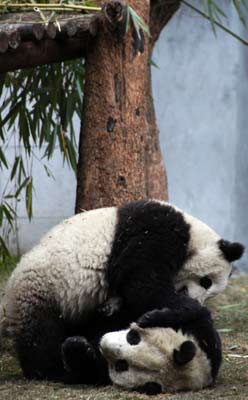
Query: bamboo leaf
21	172
3	248
152	62
8	215
11	209
137	22
3	159
52	142
24	130
211	17
224	28
239	12
48	171
23	184
71	154
218	10
29	198
1	131
14	168
244	2
1	215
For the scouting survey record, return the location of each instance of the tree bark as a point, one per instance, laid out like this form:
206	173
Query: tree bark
119	153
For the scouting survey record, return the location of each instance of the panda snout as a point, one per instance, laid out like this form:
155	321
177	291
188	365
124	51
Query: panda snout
109	349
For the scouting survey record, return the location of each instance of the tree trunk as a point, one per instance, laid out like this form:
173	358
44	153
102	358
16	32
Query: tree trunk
119	153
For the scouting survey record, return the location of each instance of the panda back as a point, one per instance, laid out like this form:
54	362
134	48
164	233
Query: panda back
70	260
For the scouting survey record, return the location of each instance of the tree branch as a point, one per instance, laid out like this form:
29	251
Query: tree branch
34	53
27	44
161	11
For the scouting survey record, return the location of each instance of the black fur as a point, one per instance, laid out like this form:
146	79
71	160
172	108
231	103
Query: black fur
150	388
185	354
231	251
206	282
38	345
121	366
83	362
56	349
133	337
196	321
149	248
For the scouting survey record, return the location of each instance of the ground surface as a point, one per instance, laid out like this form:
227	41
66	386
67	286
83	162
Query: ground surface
230	311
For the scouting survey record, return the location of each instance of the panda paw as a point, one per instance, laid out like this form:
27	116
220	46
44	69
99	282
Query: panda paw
155	318
110	307
76	350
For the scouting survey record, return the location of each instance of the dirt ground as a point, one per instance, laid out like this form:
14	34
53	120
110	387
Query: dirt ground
230	311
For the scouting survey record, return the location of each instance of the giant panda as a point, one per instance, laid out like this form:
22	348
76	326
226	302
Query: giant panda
166	350
147	254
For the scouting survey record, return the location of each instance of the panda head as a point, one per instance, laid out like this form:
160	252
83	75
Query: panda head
154	360
209	262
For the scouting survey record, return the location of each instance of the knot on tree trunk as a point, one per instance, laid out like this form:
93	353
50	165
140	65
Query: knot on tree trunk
115	14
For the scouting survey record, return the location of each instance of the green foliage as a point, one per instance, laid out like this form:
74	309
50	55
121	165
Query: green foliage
37	107
211	10
137	22
39	6
36	111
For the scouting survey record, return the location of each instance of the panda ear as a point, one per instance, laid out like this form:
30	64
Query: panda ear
231	251
185	354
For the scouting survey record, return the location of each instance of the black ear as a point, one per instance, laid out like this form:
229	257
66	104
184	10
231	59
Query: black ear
231	251
185	354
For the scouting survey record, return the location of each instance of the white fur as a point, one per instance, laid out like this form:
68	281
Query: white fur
151	360
67	266
206	259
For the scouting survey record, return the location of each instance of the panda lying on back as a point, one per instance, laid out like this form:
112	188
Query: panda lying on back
166	350
139	253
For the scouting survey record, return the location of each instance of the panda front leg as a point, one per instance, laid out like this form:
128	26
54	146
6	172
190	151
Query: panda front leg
83	362
143	291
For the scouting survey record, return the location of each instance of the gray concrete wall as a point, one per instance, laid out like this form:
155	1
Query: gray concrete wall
201	96
53	200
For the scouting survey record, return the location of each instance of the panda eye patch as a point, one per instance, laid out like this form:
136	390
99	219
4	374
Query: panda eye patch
133	337
206	282
121	366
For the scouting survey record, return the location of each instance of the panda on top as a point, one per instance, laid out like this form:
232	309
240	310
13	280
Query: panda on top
102	269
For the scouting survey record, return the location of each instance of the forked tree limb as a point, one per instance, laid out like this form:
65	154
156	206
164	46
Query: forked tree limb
161	11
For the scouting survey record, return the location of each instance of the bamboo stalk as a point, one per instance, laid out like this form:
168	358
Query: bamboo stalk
49	6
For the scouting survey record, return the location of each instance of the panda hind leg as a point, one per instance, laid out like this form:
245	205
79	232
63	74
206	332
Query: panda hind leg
38	347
